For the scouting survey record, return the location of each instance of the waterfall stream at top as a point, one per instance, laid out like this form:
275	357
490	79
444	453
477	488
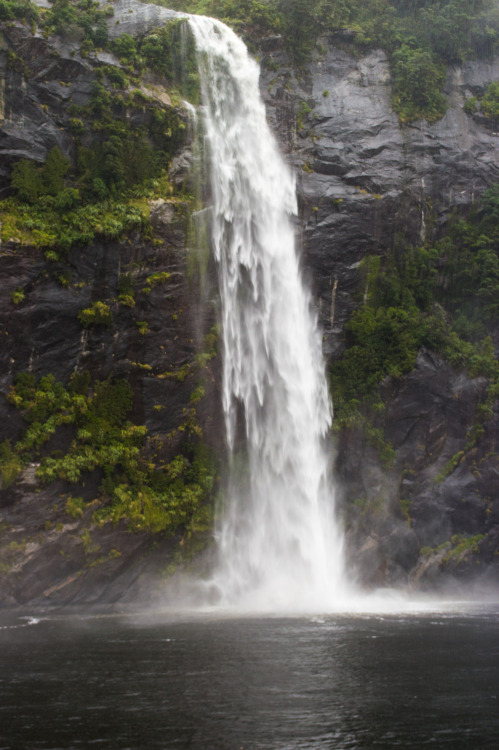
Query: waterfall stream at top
278	541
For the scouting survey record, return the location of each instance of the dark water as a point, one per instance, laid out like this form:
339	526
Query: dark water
397	681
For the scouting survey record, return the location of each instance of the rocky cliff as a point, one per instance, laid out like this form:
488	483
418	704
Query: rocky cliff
427	516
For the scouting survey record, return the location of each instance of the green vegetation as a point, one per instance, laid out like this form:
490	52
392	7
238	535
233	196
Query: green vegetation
75	507
471	105
167	50
10	464
31	181
442	296
58	205
99	314
137	485
417	82
461	546
303	111
160	277
488	105
53	228
126	290
457	548
251	18
490	102
22	10
78	20
17	296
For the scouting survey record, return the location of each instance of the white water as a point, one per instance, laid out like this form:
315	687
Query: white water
279	544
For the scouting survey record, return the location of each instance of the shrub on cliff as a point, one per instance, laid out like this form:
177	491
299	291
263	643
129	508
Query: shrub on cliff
23	10
27	180
98	314
417	81
81	20
490	102
136	486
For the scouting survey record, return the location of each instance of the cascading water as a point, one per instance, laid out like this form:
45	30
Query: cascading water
279	545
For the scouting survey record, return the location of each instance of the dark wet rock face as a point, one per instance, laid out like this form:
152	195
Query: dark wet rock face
363	180
428	517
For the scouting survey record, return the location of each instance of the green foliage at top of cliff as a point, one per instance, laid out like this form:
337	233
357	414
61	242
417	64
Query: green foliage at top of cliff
78	20
442	295
136	484
420	36
22	10
251	18
452	29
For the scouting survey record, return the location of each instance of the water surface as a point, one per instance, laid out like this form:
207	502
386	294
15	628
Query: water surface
336	682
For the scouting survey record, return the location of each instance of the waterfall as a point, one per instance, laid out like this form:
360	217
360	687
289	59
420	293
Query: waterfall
278	541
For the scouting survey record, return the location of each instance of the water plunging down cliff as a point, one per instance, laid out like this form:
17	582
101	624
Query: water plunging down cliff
278	540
